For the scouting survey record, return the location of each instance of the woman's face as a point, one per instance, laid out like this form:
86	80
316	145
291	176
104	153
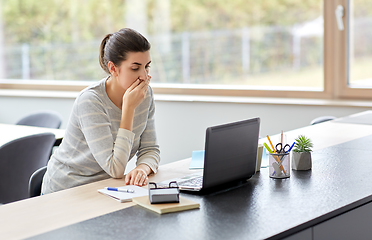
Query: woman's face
137	66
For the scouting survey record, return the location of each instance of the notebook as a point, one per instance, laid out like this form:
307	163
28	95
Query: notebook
125	196
184	204
230	156
197	160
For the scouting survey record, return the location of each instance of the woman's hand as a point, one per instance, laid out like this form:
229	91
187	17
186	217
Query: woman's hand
138	176
135	94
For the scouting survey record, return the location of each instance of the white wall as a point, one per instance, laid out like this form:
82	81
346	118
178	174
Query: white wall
181	125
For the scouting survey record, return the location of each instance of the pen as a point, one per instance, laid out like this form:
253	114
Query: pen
291	147
120	189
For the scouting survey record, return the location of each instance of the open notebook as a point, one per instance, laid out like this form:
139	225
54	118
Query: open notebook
125	196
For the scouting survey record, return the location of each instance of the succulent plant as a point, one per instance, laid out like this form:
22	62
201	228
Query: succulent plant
303	144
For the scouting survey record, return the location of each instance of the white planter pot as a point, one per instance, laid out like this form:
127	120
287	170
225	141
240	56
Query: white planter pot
301	160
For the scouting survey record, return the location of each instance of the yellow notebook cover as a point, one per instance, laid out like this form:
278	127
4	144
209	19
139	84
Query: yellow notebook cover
184	204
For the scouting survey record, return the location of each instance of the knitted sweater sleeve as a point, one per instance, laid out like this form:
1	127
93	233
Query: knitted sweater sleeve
148	151
112	154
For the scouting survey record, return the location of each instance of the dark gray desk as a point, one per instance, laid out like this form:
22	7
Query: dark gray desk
331	201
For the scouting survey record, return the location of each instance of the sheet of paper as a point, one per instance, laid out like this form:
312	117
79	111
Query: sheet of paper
124	196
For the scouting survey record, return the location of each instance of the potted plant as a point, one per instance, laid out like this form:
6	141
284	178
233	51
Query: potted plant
301	156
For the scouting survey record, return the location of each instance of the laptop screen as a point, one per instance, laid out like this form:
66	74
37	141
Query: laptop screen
230	152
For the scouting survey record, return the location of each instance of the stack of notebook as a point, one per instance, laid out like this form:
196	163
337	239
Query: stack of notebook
184	204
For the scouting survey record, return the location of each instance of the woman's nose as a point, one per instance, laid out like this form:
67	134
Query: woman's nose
143	75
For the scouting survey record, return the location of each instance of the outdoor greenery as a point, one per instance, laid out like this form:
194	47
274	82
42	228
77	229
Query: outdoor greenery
242	42
38	21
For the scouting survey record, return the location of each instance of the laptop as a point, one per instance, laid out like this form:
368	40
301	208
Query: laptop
230	156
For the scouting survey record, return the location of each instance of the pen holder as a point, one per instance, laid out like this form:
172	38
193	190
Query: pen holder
279	165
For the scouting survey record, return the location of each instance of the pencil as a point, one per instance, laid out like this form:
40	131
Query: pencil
271	143
281	138
268	148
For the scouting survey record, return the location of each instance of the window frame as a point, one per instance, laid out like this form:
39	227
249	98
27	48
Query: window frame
335	72
341	57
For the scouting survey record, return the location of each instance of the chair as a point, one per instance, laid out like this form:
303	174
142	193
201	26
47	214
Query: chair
34	185
18	160
322	119
47	119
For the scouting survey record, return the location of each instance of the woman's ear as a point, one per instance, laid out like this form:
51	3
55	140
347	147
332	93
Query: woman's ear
112	68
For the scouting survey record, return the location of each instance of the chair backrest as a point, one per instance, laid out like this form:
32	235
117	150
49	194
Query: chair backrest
36	179
322	119
48	119
18	160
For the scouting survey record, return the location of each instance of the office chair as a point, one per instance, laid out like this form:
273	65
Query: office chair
322	119
48	119
36	179
18	160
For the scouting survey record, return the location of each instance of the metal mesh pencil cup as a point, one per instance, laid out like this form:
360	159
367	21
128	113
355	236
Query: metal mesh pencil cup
279	165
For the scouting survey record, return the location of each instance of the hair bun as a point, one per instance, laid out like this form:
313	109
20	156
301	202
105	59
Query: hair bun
115	49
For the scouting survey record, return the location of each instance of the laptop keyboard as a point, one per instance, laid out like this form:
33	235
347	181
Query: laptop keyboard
192	182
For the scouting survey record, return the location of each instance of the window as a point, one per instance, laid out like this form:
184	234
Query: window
349	50
360	44
265	48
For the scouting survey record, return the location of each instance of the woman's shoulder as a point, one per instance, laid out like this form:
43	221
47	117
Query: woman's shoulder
150	90
150	93
94	91
149	99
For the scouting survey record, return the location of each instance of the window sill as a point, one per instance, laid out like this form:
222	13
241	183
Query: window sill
199	98
261	100
38	93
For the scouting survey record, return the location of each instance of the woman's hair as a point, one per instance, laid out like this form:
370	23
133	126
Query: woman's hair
115	47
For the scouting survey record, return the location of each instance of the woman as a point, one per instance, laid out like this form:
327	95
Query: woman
111	121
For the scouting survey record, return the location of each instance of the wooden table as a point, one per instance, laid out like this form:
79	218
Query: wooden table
38	215
9	132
